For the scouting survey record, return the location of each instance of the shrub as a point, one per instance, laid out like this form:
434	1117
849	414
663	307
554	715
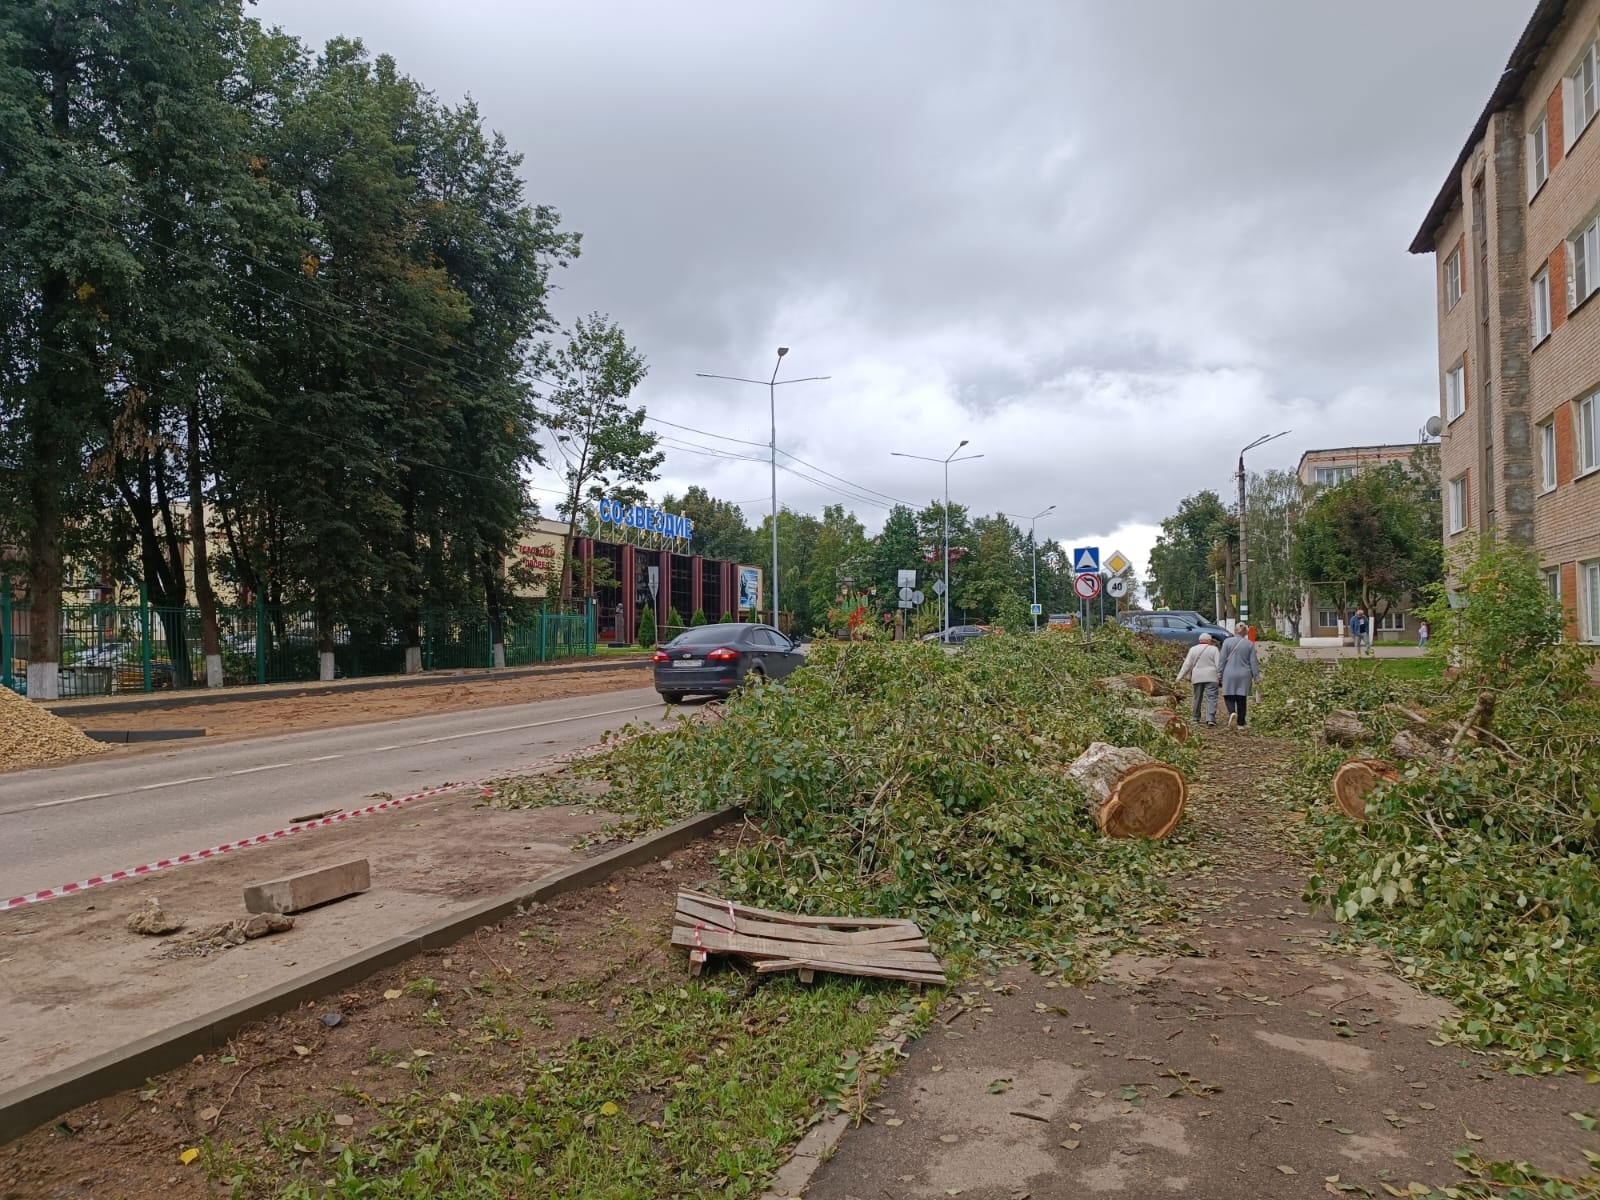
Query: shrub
647	627
699	617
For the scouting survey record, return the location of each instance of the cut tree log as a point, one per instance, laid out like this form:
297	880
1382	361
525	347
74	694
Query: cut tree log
1415	745
1354	779
1130	793
1148	684
1164	719
1341	727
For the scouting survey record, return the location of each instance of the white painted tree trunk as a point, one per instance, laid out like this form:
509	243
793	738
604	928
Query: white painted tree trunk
326	672
499	654
44	681
413	660
213	670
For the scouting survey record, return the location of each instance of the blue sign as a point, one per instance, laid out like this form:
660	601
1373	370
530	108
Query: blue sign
1086	560
651	520
1035	609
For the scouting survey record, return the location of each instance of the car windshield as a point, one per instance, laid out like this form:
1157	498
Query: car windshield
707	635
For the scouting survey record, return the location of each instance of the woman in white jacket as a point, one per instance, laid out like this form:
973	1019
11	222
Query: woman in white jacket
1202	667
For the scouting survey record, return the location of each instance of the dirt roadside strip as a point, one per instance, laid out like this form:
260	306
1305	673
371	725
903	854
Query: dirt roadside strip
41	1001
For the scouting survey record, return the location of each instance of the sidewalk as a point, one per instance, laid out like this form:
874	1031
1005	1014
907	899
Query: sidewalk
196	697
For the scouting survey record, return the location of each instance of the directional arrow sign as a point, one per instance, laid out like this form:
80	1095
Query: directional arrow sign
1087	586
1086	560
1118	563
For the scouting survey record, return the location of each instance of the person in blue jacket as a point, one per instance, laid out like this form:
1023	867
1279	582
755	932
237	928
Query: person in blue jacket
1361	630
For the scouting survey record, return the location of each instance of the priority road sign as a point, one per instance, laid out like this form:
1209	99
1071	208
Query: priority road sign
1087	586
1086	560
1118	563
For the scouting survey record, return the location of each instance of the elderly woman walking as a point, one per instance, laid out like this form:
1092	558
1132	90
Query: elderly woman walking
1201	667
1241	671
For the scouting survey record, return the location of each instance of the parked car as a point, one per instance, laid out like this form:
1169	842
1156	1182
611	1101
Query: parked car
956	634
110	654
716	660
1173	627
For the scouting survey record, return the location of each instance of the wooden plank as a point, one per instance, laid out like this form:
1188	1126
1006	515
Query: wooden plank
764	914
720	942
910	936
718	914
844	968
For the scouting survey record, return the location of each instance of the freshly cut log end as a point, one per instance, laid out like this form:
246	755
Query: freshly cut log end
1342	727
1354	780
1130	793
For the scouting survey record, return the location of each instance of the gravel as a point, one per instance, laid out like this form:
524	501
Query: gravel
31	737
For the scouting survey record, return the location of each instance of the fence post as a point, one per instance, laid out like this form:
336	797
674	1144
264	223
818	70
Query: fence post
144	633
6	633
544	627
488	634
592	612
261	637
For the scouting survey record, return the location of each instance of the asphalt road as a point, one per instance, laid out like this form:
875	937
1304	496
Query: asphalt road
61	824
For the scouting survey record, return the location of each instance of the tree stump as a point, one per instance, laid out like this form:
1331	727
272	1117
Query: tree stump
1342	727
1354	780
1129	793
1415	745
1148	684
1164	719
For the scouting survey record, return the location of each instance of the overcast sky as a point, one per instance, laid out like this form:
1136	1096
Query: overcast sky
1108	243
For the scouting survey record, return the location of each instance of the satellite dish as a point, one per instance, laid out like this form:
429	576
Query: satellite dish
1433	426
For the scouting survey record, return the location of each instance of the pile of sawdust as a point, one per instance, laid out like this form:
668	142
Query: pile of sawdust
31	737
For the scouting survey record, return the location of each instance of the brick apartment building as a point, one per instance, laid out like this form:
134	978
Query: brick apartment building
1516	235
1320	616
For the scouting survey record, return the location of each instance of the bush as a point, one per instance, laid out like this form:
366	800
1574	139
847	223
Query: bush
699	617
674	620
647	627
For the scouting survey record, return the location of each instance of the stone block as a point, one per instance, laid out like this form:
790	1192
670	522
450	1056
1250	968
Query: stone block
295	893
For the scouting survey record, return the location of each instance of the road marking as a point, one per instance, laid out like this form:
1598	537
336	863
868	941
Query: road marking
71	800
610	712
150	787
253	770
324	758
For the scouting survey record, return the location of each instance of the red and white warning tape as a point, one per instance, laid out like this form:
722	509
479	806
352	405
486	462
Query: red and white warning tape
94	881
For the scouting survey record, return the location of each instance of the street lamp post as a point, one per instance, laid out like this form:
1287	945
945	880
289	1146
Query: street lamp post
945	461
772	385
1244	561
1033	545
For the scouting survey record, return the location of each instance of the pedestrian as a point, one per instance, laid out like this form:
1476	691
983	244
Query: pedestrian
1202	668
1241	671
1422	635
1361	630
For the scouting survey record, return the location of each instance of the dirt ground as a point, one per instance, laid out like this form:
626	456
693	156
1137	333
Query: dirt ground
273	711
1267	1063
443	1008
75	982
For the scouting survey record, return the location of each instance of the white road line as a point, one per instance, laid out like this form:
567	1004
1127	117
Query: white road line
610	712
253	770
324	758
150	787
70	800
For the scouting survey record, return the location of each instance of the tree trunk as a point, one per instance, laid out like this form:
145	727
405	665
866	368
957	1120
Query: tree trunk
1342	727
1130	794
1354	779
1414	745
210	641
1164	719
1148	684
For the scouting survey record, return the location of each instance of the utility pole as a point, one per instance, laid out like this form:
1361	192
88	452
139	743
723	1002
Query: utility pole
947	460
1244	561
1033	546
772	385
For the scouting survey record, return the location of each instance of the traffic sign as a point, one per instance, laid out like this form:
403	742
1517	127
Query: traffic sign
938	587
905	604
906	579
1118	563
917	597
1035	609
905	593
1087	586
1086	560
1118	586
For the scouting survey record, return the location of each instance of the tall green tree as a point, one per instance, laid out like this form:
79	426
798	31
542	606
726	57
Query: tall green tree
898	547
606	448
1273	504
720	528
841	558
1184	561
994	571
797	545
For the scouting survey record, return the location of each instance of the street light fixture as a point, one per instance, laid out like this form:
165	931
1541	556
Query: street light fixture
1244	562
946	461
772	449
1033	545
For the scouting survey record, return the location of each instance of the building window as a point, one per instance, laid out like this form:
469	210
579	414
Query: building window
1552	582
1452	279
1333	476
1455	391
1327	618
1547	455
1581	94
1541	306
1458	504
1538	156
1589	590
1583	251
1586	416
1390	622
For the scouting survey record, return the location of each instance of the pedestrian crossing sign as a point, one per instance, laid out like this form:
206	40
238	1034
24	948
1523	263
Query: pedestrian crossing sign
1118	563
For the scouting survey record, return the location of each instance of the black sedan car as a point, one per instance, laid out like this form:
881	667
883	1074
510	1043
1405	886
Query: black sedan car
715	660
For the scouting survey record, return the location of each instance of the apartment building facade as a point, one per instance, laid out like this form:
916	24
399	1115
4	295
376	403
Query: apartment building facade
1515	232
1321	620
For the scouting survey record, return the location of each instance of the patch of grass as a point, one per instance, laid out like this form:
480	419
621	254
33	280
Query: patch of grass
697	1092
1424	668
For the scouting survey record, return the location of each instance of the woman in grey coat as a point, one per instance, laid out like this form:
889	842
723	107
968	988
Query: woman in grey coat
1241	670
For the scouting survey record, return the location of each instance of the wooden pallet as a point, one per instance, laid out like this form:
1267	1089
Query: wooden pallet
881	947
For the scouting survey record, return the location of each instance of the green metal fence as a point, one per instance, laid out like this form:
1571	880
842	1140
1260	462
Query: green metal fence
108	649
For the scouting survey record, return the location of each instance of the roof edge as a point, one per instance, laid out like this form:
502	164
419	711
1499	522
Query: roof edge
1547	17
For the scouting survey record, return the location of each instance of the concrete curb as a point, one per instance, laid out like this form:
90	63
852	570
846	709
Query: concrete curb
122	736
197	697
28	1107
